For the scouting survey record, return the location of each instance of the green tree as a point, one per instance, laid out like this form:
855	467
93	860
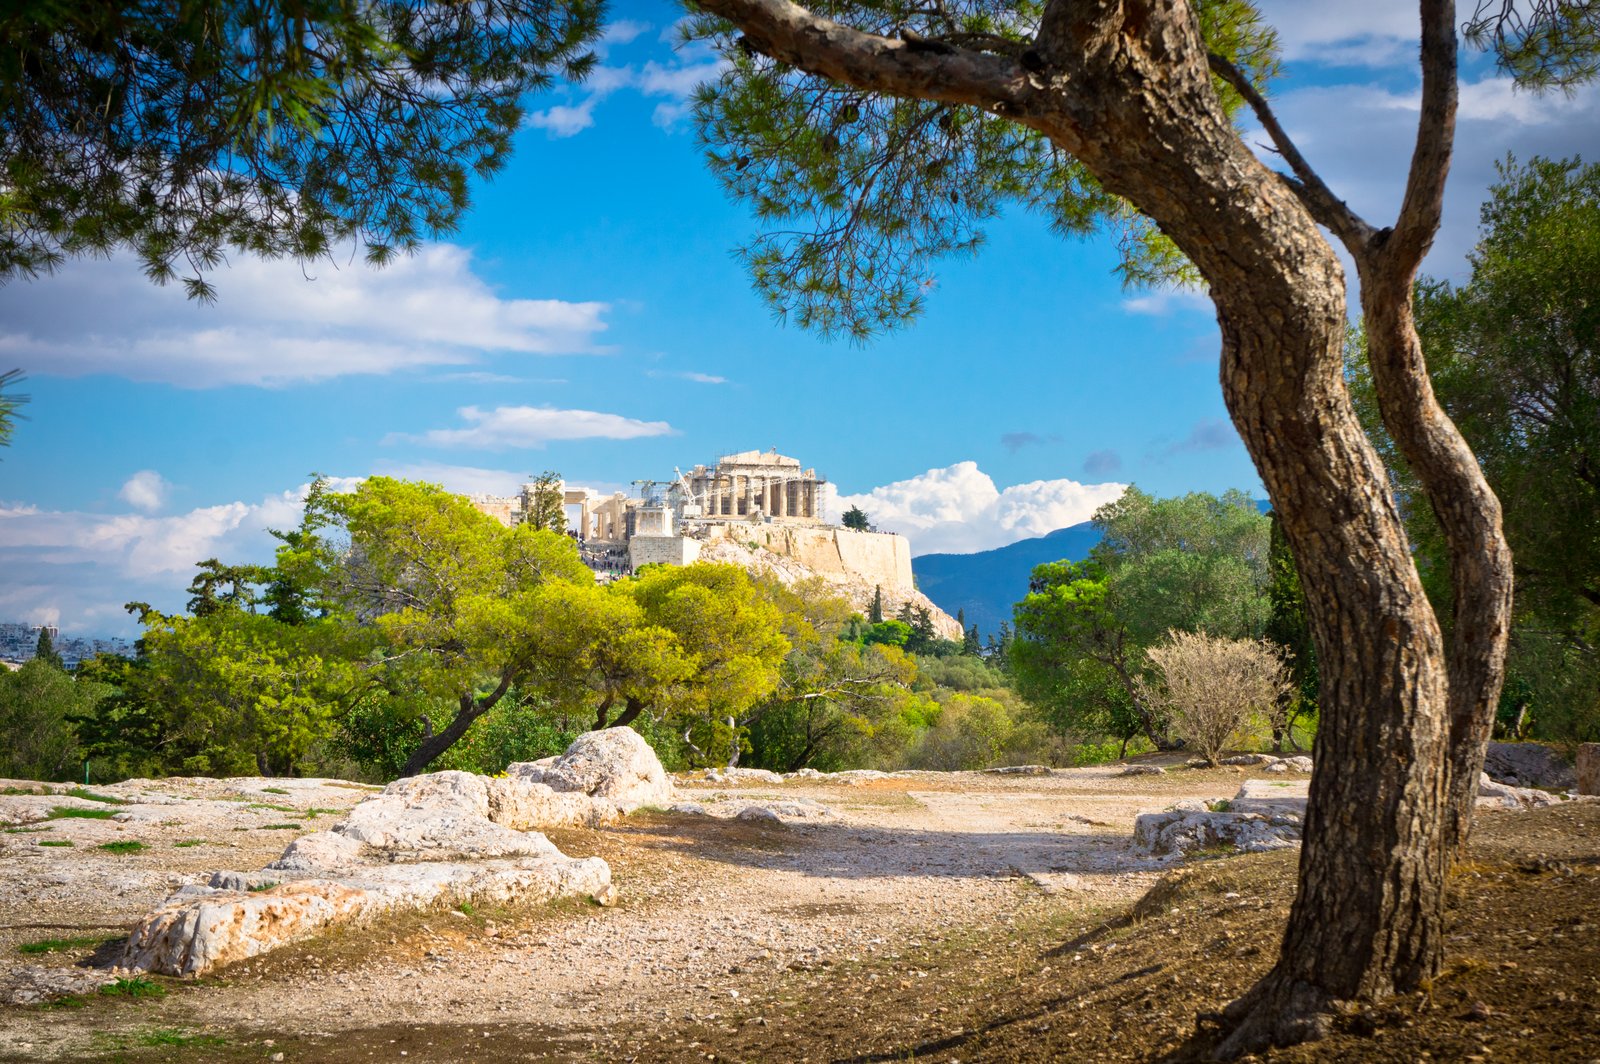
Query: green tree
1517	365
44	650
180	128
38	703
855	518
450	594
545	503
875	614
875	136
1290	630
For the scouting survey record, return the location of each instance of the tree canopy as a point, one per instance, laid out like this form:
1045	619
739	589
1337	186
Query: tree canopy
183	128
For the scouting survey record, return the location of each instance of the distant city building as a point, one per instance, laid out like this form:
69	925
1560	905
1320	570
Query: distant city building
19	641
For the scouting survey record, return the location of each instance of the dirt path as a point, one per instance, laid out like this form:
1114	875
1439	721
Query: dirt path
715	916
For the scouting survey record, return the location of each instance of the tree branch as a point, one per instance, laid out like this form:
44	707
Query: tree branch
1423	205
1327	208
791	34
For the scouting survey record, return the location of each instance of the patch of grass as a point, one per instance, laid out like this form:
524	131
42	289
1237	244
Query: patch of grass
60	945
316	811
176	1036
67	812
128	846
21	790
273	790
466	908
90	796
280	827
134	987
66	1001
1221	805
274	808
187	843
26	831
56	842
261	888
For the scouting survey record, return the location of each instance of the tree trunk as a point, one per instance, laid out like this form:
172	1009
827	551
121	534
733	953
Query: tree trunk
602	711
470	709
1126	89
630	713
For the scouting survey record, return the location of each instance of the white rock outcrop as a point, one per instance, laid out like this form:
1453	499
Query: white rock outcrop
438	838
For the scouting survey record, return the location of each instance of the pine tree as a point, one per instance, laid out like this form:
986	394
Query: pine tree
971	641
876	616
45	650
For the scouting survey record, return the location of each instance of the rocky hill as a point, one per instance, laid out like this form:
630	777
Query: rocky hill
858	590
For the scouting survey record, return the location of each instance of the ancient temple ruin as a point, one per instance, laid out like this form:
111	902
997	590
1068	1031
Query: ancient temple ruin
758	508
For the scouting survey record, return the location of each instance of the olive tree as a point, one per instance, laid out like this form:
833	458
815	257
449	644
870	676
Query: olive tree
1214	688
875	135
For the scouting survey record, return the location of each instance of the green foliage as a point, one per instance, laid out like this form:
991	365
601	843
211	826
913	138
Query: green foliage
1289	629
45	650
1195	562
38	705
10	404
1542	44
859	195
181	129
855	518
1515	361
546	507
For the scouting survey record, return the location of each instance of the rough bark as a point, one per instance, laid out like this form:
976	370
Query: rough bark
468	710
1125	87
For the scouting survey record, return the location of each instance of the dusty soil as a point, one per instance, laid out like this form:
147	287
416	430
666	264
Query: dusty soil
955	918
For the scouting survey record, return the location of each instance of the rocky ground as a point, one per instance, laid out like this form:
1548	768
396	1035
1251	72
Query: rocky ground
946	916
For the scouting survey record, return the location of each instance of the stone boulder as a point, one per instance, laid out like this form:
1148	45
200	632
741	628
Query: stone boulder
614	764
1181	831
783	812
1528	765
1143	770
1492	795
438	838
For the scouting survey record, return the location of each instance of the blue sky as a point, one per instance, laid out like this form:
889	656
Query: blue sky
590	318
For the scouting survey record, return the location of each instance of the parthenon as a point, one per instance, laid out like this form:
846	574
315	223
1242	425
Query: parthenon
751	484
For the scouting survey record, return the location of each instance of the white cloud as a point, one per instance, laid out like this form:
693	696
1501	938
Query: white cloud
688	375
1163	302
275	323
83	566
467	480
958	509
565	120
145	490
534	426
1348	33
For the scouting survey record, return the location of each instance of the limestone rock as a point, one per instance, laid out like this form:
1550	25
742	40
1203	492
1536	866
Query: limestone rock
613	763
33	984
1019	770
786	811
1180	831
742	775
1249	759
1528	765
1269	797
1143	770
1492	795
1589	768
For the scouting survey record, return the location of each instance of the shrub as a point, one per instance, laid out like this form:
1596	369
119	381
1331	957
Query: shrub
1215	687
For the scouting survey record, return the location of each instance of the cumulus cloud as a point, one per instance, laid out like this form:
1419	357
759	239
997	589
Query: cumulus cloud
1383	30
534	426
1164	302
82	567
273	324
959	509
145	490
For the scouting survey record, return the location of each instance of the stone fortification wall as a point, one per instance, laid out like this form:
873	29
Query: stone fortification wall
876	559
672	550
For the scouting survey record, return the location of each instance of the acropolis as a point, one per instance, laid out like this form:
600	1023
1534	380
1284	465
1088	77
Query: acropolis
759	508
